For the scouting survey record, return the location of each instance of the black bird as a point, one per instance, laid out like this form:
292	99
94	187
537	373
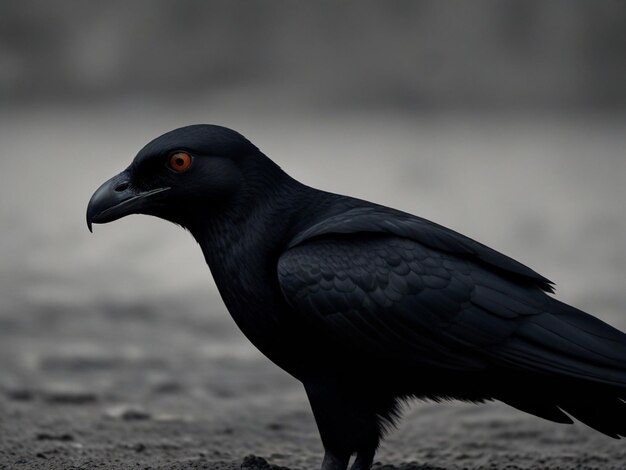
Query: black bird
366	305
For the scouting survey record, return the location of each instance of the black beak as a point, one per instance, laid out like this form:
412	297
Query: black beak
117	198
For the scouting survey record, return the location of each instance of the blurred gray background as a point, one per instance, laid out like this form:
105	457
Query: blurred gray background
504	120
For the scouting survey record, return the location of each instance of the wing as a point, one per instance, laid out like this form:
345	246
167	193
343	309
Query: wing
400	299
356	216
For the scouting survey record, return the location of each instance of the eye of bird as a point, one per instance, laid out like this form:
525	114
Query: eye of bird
179	162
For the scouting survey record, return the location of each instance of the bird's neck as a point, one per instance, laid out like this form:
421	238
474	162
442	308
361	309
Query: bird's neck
242	243
242	247
261	217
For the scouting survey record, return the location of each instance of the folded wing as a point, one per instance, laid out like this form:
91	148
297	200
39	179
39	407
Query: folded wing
433	299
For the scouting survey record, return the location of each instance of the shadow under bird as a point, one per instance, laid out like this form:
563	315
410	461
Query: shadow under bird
368	306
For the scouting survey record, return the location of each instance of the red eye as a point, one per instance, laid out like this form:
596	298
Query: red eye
180	162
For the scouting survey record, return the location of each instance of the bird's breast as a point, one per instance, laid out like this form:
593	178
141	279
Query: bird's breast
253	298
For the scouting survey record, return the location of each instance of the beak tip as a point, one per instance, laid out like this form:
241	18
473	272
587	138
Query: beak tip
89	221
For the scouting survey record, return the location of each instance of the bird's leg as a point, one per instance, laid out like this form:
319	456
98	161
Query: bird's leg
364	459
347	422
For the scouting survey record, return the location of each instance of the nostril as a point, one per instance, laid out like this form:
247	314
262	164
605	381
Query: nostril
121	187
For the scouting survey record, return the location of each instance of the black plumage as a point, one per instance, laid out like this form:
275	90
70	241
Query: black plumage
367	305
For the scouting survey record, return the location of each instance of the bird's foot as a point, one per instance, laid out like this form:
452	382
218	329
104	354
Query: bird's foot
335	462
363	460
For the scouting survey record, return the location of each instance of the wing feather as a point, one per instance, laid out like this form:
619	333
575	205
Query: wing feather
398	298
367	218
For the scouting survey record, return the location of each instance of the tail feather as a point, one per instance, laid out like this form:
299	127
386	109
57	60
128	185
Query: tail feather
566	343
599	407
548	411
574	365
603	413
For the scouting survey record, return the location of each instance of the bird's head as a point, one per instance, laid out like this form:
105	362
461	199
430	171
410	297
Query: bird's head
191	170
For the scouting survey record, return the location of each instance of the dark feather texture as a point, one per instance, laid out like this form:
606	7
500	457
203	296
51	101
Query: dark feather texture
367	305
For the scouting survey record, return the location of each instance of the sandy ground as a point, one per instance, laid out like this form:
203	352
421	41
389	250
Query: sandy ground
116	351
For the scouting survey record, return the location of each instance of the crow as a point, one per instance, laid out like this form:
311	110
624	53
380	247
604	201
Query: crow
366	305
